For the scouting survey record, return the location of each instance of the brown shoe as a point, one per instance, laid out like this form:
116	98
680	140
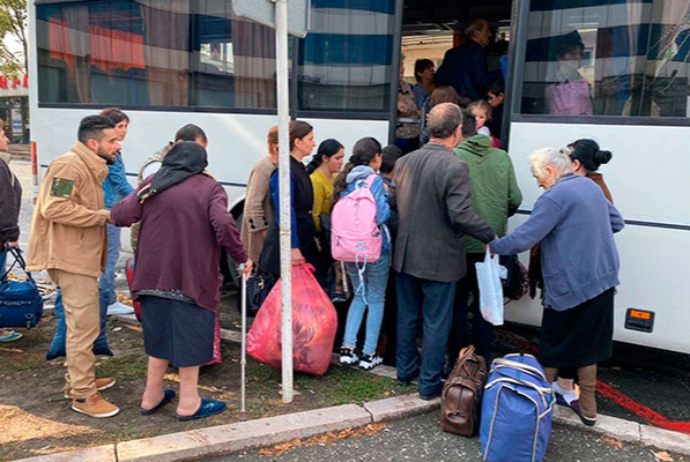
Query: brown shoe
95	406
101	384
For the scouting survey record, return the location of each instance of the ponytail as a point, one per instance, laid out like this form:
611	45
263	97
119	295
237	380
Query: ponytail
328	148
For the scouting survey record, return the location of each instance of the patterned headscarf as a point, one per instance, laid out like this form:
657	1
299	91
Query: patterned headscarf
184	160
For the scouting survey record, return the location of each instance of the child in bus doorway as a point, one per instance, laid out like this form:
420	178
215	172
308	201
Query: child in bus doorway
369	278
481	110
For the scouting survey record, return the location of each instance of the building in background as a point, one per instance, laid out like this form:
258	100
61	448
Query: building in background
14	107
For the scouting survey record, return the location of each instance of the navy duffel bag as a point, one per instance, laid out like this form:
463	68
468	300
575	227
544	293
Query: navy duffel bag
517	411
21	304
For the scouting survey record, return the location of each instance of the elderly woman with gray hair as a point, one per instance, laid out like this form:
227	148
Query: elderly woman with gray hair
575	224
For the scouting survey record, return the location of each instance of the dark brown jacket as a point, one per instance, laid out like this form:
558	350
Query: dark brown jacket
10	203
431	192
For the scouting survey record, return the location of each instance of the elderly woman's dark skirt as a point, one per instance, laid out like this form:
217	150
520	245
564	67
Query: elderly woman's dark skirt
177	331
580	336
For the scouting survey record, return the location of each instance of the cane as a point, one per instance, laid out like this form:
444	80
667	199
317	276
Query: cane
243	360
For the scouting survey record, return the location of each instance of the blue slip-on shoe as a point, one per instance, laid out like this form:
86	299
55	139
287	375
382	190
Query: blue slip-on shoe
168	395
207	409
11	337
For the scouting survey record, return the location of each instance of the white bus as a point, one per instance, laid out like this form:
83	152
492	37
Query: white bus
172	62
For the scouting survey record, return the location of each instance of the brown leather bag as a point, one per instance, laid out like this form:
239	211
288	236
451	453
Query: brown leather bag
462	394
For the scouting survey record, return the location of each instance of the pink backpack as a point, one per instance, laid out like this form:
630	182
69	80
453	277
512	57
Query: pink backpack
355	236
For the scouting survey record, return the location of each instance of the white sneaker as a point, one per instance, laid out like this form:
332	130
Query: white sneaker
119	308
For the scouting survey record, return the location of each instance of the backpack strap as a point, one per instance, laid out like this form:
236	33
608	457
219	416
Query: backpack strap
370	180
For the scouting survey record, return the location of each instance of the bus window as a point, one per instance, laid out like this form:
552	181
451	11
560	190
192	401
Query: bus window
168	53
345	60
610	58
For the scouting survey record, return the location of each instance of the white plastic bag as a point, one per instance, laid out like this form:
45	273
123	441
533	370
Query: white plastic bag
489	275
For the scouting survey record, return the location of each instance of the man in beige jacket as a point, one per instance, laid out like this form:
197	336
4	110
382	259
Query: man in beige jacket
68	238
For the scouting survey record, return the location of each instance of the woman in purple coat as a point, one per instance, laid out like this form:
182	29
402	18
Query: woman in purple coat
184	223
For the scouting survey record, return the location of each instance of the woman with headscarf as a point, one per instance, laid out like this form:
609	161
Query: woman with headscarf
184	223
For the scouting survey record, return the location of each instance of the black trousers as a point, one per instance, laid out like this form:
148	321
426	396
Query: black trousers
482	331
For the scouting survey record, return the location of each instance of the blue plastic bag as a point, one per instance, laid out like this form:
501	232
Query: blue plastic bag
489	275
57	346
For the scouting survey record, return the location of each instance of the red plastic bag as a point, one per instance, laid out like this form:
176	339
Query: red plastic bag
314	323
129	270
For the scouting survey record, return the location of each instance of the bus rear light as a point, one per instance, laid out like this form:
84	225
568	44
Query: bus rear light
641	320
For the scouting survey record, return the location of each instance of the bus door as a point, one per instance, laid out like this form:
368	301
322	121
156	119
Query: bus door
428	32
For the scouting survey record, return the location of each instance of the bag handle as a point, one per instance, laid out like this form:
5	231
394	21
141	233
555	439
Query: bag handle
502	362
18	259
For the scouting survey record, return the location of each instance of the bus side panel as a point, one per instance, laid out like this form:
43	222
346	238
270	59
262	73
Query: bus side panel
653	278
647	180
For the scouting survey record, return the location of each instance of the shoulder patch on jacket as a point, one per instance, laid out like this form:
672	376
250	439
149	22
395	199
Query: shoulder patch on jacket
62	187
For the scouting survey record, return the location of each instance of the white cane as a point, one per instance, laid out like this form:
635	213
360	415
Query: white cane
243	357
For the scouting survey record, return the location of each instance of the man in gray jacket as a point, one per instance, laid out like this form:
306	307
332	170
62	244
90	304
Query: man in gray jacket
431	192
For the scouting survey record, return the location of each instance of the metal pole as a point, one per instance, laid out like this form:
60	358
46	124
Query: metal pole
284	177
243	362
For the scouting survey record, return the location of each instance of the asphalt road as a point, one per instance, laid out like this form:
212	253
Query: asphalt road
420	439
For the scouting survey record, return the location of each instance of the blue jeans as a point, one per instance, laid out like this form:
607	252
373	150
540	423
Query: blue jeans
430	302
371	291
106	285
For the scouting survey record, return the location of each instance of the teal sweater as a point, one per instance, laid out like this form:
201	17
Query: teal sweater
495	192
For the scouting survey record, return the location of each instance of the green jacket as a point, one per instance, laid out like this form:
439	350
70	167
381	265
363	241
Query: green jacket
495	192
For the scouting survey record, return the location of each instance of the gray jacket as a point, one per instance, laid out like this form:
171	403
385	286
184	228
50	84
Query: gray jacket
431	192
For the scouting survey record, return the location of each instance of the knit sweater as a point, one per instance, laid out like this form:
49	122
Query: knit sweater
575	224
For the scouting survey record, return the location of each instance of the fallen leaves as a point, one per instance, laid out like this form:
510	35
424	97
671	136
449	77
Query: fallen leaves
663	456
324	439
612	441
125	299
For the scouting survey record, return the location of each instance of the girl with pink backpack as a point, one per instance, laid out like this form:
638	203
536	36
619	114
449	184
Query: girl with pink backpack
360	239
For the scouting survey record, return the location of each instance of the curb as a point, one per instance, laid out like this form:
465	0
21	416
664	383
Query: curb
231	438
629	432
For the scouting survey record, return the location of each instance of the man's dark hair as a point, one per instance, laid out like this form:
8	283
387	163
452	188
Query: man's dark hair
390	153
190	132
91	128
115	114
420	66
469	124
497	87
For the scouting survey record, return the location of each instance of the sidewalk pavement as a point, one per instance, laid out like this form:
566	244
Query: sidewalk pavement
226	439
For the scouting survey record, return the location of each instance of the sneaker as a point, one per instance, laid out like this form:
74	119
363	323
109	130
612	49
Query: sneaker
95	406
348	356
9	336
369	362
119	308
101	384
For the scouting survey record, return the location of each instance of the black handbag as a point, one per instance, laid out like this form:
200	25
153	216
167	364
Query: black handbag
21	303
516	285
258	288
